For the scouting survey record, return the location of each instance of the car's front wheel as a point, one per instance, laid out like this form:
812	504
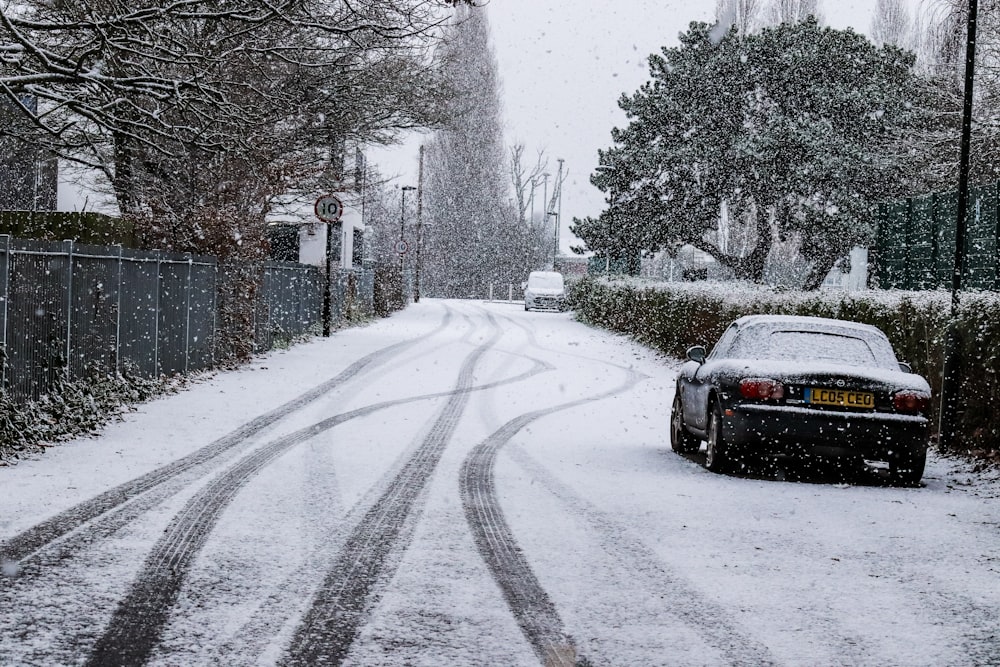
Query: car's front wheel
716	454
681	440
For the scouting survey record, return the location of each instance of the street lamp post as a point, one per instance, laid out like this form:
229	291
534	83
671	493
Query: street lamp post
559	175
420	221
555	239
402	231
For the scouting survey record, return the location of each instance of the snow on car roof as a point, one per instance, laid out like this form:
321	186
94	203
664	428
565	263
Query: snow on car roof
805	322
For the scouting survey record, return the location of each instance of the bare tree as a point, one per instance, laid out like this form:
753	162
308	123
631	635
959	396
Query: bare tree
940	41
891	24
743	14
524	179
792	11
193	105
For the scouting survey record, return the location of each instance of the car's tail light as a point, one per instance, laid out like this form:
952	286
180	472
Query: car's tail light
911	401
761	388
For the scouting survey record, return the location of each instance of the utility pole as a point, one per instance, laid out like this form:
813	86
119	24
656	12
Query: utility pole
950	386
558	185
532	199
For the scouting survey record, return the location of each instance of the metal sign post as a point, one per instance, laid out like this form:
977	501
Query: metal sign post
328	208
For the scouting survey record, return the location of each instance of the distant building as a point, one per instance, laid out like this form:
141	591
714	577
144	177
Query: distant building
571	266
297	234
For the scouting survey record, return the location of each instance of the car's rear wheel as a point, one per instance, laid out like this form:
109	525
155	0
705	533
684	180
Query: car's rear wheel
716	454
681	440
907	469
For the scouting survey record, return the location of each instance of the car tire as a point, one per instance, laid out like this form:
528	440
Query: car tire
682	441
907	469
716	454
526	309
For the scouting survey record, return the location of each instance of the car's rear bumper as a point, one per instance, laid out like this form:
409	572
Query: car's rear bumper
776	429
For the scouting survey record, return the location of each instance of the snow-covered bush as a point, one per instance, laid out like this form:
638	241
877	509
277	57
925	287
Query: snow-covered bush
71	409
674	316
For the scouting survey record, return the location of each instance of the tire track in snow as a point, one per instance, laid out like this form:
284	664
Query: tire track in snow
28	543
332	622
138	621
702	615
255	636
505	560
530	604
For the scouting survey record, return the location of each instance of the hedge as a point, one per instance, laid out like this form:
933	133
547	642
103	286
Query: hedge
672	317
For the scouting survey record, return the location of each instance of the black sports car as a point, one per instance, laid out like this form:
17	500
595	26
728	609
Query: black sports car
783	385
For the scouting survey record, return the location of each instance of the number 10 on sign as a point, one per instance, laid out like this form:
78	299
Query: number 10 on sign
329	208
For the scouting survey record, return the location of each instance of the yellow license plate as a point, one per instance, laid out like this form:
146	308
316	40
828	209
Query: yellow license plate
841	397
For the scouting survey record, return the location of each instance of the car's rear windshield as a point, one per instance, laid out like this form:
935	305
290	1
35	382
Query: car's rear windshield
545	281
782	345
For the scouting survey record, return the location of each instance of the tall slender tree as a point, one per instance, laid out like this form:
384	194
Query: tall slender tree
472	224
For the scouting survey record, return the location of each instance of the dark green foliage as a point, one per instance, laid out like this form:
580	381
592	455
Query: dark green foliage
80	226
389	290
672	318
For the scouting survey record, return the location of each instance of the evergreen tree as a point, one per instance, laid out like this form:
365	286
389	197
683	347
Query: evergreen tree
473	234
796	128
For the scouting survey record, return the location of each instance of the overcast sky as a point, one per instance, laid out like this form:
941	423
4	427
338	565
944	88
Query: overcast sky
565	63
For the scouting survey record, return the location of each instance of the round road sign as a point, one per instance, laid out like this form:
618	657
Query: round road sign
329	208
402	247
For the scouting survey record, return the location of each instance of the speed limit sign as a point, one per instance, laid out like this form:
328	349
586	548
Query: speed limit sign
402	247
329	208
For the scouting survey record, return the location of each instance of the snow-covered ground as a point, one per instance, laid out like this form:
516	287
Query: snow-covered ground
470	484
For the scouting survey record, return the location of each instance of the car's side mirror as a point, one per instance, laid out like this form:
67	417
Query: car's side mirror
696	353
905	367
524	285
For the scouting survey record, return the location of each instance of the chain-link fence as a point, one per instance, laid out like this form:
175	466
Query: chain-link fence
72	310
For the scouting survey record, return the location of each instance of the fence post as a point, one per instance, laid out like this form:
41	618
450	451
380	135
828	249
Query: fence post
491	292
187	314
156	316
5	295
215	312
69	306
118	309
510	291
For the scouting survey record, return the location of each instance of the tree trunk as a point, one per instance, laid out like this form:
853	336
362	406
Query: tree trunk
817	272
751	267
125	179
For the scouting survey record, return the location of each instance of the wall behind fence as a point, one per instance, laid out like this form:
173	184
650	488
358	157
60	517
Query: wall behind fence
69	310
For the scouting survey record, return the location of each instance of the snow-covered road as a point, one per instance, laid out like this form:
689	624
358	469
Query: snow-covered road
470	484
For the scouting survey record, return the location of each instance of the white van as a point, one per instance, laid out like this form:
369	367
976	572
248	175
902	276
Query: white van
545	290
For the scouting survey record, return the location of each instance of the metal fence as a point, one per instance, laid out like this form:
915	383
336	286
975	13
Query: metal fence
70	310
915	242
290	303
